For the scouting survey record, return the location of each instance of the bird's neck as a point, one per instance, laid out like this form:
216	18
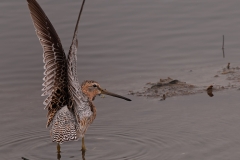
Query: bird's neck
94	110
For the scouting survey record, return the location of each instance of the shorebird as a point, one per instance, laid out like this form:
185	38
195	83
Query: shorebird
70	105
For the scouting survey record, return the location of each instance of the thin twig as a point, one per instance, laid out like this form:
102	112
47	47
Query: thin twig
223	47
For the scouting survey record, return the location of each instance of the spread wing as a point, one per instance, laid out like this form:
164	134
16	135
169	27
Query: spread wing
80	104
55	80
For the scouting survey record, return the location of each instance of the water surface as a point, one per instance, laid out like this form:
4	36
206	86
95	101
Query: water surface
123	45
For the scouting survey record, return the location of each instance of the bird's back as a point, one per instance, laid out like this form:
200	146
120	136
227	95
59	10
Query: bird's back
64	126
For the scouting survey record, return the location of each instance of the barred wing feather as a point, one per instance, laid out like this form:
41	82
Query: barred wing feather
80	103
55	80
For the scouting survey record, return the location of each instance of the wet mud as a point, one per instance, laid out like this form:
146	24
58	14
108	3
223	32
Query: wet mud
170	87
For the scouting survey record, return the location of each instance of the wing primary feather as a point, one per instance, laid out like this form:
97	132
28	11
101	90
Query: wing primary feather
56	77
71	63
79	16
79	101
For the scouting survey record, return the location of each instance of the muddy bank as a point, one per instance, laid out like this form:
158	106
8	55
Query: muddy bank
170	87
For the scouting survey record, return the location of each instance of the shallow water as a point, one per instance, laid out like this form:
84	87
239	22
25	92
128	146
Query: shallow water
123	45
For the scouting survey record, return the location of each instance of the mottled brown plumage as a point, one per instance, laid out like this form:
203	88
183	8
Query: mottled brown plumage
70	105
55	80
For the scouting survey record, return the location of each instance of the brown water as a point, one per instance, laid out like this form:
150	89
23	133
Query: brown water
123	45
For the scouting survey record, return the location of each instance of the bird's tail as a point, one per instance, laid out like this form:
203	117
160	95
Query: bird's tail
63	126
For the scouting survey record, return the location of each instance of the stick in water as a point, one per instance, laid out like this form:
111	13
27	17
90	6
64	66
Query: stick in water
223	47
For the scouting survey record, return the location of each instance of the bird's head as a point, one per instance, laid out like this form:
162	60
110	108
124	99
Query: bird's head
91	89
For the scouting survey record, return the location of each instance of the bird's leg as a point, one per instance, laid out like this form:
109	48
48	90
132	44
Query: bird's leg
58	148
83	145
58	151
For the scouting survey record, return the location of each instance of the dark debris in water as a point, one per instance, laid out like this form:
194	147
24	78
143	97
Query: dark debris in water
173	87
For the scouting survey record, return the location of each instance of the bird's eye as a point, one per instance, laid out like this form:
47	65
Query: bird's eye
94	85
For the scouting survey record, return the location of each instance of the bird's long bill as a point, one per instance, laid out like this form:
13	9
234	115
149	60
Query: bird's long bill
103	91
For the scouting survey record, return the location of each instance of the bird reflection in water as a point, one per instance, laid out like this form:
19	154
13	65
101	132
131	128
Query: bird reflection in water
59	153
